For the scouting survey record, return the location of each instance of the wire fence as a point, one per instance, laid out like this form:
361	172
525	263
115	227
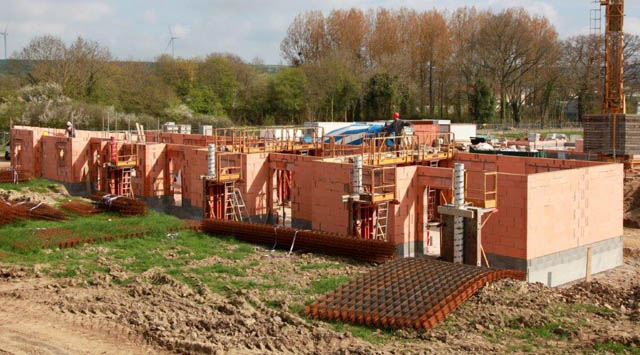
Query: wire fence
529	126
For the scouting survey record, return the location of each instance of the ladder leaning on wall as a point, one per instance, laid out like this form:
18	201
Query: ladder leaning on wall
235	208
382	218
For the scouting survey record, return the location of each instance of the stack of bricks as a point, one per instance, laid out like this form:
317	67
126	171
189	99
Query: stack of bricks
598	134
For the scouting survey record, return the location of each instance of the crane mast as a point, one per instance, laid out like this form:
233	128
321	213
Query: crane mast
614	100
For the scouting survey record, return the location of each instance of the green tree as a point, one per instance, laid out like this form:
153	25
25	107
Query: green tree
204	100
287	95
381	96
483	103
216	74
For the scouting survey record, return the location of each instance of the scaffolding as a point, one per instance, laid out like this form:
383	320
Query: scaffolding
120	168
407	149
221	197
269	139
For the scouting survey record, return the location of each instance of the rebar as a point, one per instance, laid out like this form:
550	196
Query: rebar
406	293
80	208
314	241
126	206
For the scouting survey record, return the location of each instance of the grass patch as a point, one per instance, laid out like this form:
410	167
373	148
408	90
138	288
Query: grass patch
328	284
22	236
35	185
371	335
599	310
616	348
296	308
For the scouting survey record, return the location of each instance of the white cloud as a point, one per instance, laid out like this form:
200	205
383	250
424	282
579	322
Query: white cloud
149	16
180	30
67	11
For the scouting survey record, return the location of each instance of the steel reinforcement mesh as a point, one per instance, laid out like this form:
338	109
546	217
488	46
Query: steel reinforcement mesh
406	293
295	239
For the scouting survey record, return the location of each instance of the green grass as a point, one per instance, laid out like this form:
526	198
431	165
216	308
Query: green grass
616	348
599	310
373	336
35	185
22	236
327	284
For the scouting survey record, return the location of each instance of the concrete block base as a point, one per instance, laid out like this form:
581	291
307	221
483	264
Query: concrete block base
565	266
571	265
410	249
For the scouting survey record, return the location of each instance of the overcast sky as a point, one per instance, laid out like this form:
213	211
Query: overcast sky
138	29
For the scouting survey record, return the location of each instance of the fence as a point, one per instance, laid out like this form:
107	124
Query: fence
529	126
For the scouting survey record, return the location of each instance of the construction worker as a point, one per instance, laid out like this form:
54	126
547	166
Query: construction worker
394	129
70	132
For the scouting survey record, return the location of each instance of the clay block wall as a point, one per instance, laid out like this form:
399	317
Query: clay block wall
151	171
57	155
571	208
426	130
517	165
330	182
402	225
28	153
505	233
195	164
254	189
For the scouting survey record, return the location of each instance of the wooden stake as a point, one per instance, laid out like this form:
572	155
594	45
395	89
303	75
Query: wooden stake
588	271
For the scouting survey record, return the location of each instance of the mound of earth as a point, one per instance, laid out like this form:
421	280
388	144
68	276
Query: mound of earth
55	193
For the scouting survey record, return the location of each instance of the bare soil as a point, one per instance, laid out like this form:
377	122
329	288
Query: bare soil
155	313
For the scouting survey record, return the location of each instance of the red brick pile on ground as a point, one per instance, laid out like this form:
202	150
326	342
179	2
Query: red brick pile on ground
126	206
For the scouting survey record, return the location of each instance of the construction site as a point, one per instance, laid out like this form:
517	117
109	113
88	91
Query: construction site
418	236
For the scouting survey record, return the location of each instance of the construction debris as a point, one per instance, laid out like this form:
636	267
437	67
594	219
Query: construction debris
314	241
126	206
406	293
80	208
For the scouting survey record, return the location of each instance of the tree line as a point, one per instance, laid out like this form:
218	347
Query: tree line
349	65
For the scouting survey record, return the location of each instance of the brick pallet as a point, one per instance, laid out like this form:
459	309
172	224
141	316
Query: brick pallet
598	134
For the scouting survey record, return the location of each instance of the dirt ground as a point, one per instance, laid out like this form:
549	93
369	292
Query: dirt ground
155	313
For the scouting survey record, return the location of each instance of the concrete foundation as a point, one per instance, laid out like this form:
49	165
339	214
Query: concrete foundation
570	265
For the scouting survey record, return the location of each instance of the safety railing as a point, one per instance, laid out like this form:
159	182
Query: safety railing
268	139
125	155
344	144
379	183
228	167
481	188
406	149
